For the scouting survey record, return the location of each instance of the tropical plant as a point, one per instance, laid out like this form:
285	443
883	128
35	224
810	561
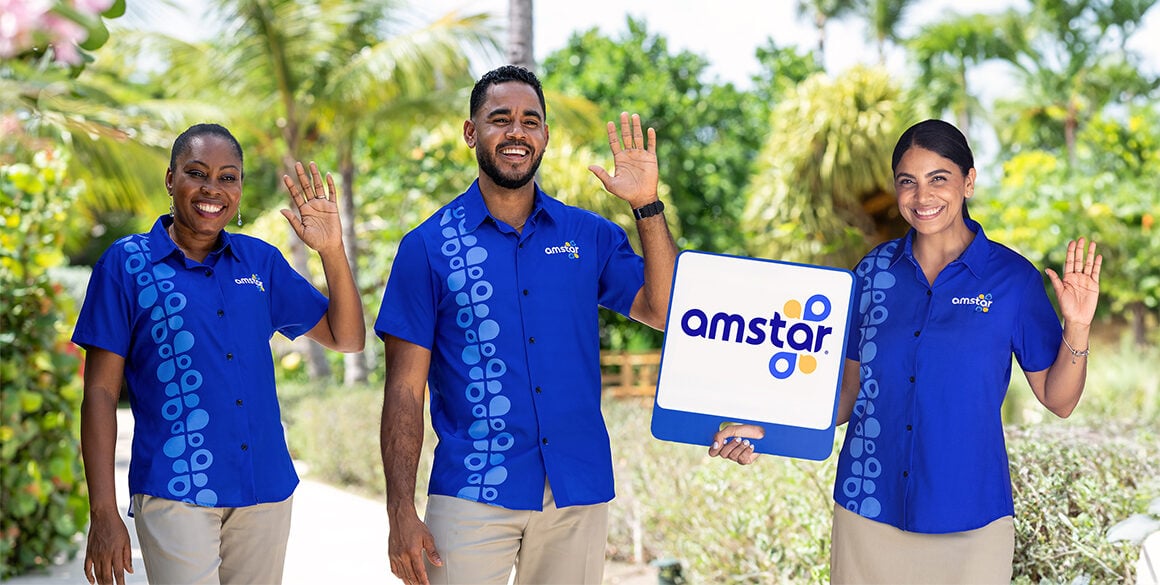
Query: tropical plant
821	12
1072	60
42	490
823	190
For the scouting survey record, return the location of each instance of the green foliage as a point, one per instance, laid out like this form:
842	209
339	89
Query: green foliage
822	191
707	133
42	491
1108	195
770	522
1072	484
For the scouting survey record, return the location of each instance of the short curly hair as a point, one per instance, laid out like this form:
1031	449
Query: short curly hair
504	74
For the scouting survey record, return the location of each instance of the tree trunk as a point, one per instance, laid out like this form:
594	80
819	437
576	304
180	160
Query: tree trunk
519	49
820	25
355	364
1139	314
317	368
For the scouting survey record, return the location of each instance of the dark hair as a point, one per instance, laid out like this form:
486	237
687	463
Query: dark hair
504	74
181	145
938	137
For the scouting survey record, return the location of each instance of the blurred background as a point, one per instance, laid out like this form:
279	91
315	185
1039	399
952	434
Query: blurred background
775	124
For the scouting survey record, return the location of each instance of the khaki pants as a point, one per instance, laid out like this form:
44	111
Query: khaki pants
185	543
865	551
480	543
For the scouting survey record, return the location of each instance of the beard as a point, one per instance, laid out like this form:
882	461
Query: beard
489	167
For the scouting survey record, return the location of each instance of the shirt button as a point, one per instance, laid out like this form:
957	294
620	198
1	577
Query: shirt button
525	292
238	402
245	447
521	244
912	378
538	390
208	272
545	439
928	293
229	356
531	340
916	333
908	427
905	474
221	313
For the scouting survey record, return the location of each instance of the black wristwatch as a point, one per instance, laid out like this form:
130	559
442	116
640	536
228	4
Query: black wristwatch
648	210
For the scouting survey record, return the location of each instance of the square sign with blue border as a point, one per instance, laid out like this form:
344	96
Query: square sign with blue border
754	341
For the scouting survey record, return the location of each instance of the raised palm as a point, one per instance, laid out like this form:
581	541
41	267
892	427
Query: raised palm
317	222
635	173
1079	290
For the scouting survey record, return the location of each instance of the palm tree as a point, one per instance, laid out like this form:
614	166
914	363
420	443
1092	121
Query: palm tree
821	12
883	17
520	39
324	73
1072	61
946	50
823	191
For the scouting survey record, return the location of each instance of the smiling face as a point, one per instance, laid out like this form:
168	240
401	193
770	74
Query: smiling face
508	134
206	185
931	190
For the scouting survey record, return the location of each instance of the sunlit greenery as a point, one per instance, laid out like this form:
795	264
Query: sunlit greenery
793	167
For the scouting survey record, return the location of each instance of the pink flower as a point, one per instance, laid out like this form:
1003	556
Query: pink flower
19	21
65	35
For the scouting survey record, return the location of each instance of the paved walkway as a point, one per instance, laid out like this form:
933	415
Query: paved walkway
335	537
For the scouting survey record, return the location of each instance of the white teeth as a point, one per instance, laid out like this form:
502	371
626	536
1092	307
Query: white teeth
928	212
207	208
514	151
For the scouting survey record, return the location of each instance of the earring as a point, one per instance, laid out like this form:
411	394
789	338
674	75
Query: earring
239	217
171	207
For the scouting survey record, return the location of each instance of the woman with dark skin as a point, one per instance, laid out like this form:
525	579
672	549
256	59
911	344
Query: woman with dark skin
183	315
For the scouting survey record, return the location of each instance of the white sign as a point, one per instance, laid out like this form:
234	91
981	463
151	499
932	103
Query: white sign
754	340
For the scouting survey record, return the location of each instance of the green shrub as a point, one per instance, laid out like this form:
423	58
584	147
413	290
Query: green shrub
770	522
42	491
1071	484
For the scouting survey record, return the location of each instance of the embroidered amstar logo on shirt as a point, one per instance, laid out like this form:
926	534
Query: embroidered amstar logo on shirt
253	279
981	302
569	248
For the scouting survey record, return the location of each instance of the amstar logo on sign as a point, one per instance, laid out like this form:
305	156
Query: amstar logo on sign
755	340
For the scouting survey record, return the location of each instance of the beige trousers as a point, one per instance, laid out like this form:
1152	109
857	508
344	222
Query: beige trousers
481	543
185	543
865	551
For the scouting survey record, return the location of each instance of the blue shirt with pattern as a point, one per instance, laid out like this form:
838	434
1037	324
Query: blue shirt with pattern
511	320
196	341
924	449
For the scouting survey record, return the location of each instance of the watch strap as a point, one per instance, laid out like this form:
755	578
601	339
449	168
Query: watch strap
648	210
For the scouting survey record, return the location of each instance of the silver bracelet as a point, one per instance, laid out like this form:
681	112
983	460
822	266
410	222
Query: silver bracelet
1074	353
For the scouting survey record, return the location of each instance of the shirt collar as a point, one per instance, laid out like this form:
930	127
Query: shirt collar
974	257
476	212
161	245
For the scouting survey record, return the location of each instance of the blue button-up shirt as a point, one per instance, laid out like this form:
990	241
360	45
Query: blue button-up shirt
924	449
511	320
196	341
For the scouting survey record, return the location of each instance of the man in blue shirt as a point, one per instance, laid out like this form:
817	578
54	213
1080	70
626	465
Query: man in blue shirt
492	303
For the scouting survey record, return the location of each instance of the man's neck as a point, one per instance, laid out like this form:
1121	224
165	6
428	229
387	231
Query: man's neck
511	206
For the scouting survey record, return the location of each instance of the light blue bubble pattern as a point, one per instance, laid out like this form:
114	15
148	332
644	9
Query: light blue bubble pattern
156	296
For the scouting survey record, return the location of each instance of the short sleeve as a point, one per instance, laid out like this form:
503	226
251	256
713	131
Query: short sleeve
104	321
854	329
1037	333
296	306
622	275
408	310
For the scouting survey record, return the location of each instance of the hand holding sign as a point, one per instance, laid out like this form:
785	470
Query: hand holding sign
753	341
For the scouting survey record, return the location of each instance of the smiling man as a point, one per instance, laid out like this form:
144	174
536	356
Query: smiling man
492	303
